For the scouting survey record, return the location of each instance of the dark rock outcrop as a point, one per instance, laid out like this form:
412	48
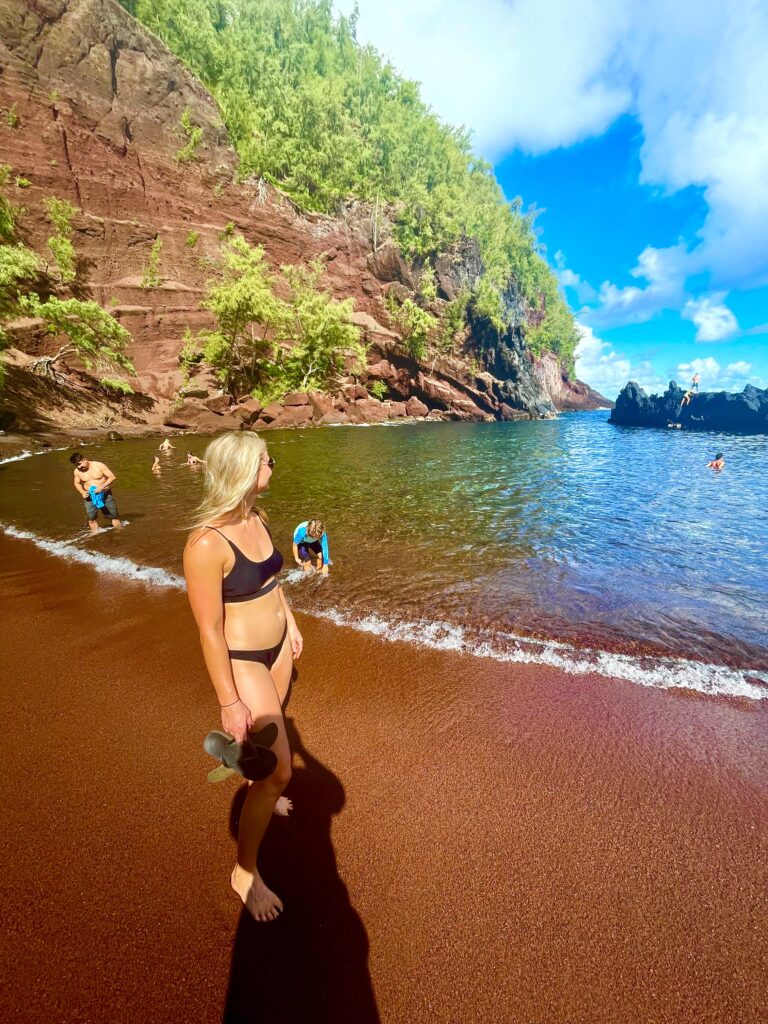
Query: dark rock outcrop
744	413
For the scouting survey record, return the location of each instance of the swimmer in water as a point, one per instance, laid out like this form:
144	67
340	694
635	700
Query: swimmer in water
156	464
166	446
192	460
717	463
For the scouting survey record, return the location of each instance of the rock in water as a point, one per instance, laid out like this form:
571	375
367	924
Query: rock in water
744	413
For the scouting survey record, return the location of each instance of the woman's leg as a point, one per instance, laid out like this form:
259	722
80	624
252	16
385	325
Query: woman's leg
257	689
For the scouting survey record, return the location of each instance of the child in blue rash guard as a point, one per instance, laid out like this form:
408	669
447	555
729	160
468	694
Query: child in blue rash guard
310	541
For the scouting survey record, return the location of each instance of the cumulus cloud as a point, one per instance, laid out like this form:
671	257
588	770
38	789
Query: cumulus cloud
541	74
569	279
715	377
661	270
714	321
607	371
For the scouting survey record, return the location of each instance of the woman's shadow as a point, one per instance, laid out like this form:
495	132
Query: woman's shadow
312	963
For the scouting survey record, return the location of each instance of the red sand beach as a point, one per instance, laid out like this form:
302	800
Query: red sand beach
471	841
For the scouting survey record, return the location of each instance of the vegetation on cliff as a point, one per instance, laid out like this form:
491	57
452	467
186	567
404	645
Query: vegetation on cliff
264	343
328	120
31	287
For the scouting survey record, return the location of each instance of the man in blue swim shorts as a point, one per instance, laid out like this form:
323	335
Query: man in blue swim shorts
310	544
93	482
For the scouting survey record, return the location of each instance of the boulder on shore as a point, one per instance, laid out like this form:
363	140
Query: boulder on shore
740	413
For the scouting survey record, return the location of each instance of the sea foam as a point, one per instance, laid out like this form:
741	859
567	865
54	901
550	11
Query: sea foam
28	455
659	673
123	567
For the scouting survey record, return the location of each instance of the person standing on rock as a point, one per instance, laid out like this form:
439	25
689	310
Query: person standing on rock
695	382
310	542
93	482
247	631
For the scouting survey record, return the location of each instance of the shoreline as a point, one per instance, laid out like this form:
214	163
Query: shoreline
502	843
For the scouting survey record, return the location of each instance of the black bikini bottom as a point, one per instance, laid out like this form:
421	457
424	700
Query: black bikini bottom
267	658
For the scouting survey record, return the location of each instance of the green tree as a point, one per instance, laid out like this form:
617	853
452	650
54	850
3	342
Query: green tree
322	333
93	334
248	315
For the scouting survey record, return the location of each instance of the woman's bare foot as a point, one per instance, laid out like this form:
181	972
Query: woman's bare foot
283	807
260	901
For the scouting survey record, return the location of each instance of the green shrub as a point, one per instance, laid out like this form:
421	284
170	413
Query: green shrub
23	183
415	325
192	239
378	389
59	214
150	277
12	118
194	136
115	384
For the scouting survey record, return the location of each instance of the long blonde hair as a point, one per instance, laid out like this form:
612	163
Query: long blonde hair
231	466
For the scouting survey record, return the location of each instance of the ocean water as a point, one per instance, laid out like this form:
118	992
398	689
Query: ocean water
572	543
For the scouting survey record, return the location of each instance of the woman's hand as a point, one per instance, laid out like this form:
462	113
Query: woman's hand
297	641
236	720
325	570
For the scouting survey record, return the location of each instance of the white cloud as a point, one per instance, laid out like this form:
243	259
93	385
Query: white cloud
714	321
714	377
540	74
600	366
531	73
661	269
568	278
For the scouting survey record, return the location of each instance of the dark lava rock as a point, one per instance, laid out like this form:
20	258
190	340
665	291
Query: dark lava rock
745	413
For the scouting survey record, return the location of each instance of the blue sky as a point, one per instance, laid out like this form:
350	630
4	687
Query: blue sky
640	129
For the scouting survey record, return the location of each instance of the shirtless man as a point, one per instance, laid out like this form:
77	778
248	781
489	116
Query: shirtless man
90	474
192	460
166	446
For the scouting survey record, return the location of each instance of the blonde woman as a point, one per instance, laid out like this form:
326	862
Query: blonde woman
248	634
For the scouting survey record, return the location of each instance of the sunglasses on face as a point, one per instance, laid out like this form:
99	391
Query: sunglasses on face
269	462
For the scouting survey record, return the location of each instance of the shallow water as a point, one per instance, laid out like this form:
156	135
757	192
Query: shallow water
569	541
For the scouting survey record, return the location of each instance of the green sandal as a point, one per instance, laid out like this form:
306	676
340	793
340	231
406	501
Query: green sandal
252	759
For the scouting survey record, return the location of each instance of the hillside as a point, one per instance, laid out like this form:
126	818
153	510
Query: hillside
99	113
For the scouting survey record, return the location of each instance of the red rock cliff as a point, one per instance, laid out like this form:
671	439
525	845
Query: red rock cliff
98	102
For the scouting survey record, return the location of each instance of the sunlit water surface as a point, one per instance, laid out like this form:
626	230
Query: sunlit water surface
508	539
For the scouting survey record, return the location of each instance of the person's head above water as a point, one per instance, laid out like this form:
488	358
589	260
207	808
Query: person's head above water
718	457
237	468
79	461
315	528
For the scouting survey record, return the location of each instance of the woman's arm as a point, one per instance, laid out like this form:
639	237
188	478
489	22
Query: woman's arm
203	569
297	641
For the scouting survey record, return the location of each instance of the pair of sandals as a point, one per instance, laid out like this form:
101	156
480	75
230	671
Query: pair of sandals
252	759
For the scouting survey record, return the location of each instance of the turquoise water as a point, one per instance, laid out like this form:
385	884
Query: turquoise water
503	536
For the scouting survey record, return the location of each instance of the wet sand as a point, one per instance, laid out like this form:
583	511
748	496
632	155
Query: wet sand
471	841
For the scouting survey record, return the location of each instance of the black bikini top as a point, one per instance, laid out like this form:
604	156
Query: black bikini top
247	578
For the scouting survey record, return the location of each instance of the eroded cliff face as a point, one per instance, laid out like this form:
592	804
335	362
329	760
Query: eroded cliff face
98	103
